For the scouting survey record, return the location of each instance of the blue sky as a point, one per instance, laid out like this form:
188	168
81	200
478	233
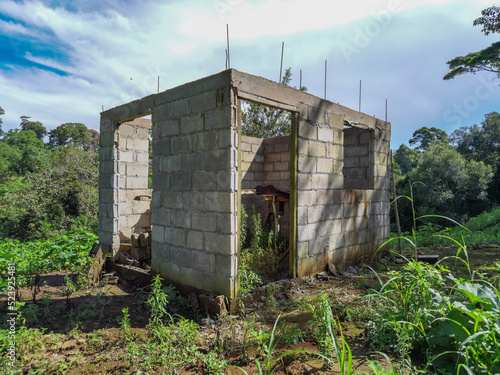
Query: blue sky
61	61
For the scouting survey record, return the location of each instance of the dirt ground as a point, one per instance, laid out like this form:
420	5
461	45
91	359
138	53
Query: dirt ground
82	336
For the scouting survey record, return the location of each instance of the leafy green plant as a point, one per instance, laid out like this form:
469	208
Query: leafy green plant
214	365
157	302
125	327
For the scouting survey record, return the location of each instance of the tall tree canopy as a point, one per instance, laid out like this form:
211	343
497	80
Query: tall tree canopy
487	59
72	134
424	137
35	126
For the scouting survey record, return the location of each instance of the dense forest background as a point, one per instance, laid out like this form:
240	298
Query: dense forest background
48	188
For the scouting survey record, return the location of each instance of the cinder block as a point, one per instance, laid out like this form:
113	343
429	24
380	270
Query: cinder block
225	137
203	102
161	216
306	198
136	182
218	118
272	158
218	243
317	115
126	130
318	245
161	146
192	124
181	181
193	162
203	261
315	214
195	240
169	128
302	215
126	156
218	159
158	234
302	250
137	170
273	176
325	165
204	181
171	163
306	232
180	256
204	221
168	270
226	223
316	148
178	108
180	218
161	181
307	130
218	201
175	236
325	135
181	145
227	181
226	265
306	164
142	158
160	252
171	199
193	200
282	166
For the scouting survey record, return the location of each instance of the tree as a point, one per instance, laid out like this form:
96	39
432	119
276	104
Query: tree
406	158
30	151
35	126
487	59
261	121
2	112
454	186
424	137
482	144
62	196
72	134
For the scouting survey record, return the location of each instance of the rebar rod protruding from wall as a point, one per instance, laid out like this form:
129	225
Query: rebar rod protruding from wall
325	77
359	110
228	55
281	65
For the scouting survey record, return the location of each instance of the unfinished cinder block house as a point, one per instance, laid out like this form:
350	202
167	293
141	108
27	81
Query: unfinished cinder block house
333	166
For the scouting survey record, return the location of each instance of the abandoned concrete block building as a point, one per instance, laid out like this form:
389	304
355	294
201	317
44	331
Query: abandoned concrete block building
332	170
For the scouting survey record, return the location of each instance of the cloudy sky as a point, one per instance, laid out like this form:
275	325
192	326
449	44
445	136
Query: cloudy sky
62	61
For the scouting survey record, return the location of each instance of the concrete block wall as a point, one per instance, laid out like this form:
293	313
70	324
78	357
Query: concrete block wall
134	209
194	238
319	188
123	169
266	162
342	191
